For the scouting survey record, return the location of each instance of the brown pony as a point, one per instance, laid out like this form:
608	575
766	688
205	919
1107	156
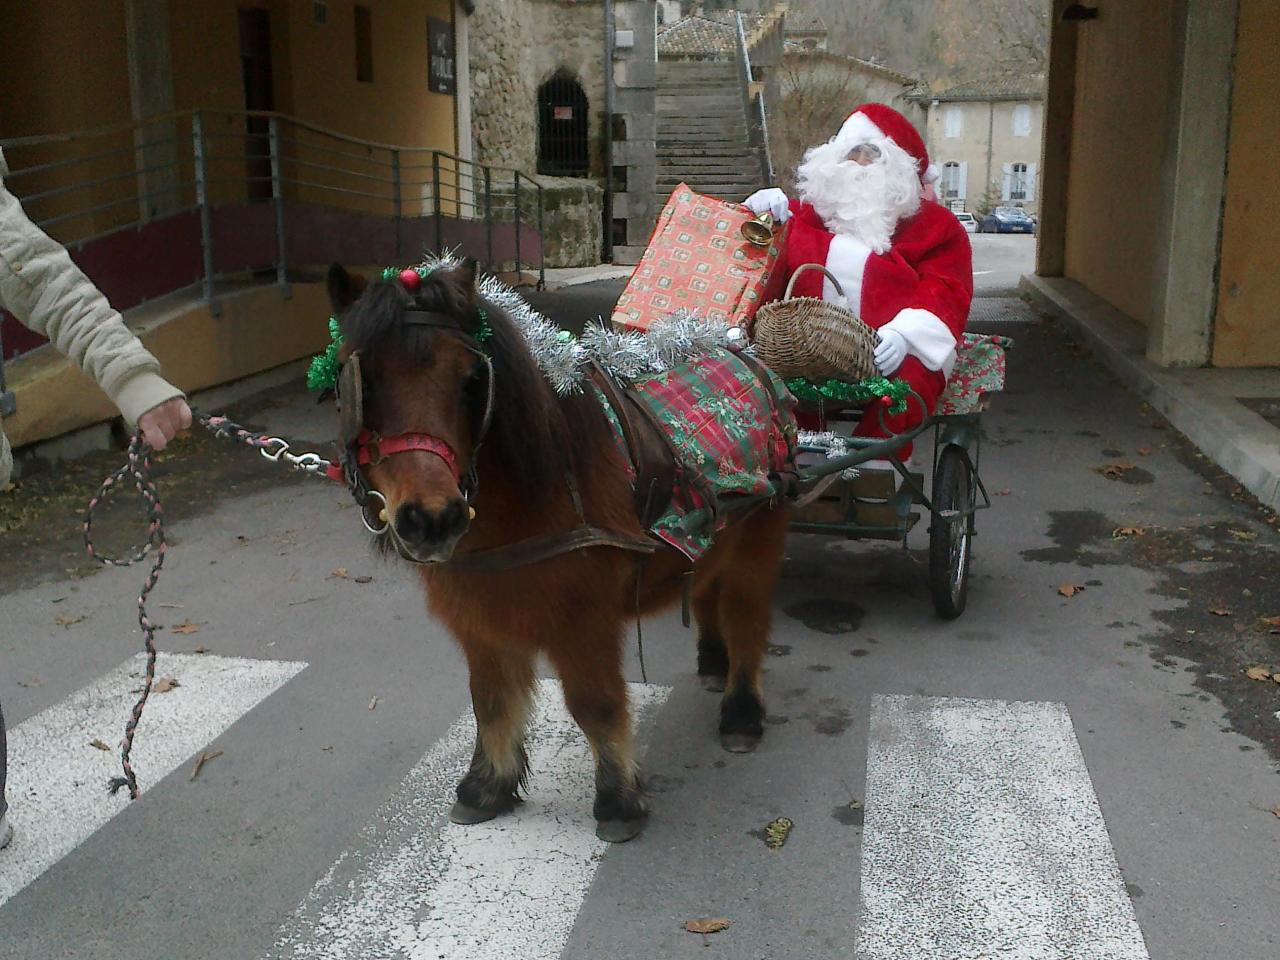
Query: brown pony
423	375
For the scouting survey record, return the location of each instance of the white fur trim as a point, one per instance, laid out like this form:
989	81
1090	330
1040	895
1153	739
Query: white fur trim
847	260
932	173
927	338
859	128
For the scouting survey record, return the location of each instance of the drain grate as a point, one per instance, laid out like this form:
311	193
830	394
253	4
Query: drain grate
1001	310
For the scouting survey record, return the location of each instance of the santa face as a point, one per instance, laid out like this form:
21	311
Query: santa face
861	185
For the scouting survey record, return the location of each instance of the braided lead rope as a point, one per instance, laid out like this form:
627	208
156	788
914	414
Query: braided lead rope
137	468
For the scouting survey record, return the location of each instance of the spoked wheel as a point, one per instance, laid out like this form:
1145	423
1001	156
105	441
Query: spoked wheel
951	533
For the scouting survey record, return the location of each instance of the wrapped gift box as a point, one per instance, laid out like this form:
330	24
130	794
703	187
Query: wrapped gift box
698	260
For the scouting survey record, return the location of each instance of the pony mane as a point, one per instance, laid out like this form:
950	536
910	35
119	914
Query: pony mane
533	430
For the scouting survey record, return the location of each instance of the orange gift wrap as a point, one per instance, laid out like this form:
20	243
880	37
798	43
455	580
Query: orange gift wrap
698	260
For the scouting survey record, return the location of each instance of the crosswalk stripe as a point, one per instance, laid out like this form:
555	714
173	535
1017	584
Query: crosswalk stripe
57	779
415	886
984	838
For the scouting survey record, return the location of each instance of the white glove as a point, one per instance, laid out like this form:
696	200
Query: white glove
771	200
890	352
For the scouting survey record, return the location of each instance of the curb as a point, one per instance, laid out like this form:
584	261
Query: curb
1240	441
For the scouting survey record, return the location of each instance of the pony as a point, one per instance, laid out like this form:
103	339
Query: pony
504	463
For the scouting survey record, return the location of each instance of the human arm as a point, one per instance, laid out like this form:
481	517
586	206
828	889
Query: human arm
46	291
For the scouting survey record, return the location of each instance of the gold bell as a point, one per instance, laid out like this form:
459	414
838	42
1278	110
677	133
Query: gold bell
471	512
760	230
382	516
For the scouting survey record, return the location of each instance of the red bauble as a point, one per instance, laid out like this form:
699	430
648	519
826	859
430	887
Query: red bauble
410	279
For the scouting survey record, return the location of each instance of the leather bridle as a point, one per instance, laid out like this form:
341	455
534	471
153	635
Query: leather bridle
362	447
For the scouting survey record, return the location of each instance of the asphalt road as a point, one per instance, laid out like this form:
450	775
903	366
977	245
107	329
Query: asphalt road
962	789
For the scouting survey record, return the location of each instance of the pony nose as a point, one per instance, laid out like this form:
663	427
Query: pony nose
429	528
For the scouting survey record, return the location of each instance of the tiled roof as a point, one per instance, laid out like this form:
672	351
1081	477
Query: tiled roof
697	35
1002	86
797	47
808	22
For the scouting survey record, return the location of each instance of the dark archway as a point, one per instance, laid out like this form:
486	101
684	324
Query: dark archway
562	127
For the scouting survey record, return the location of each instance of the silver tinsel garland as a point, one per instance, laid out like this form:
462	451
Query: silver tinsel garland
627	356
833	445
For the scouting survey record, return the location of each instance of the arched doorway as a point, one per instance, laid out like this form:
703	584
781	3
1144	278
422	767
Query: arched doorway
562	127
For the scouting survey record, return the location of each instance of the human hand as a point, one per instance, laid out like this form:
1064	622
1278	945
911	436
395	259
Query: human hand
162	422
771	200
890	352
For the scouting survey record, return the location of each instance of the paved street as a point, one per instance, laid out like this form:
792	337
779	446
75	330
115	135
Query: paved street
963	789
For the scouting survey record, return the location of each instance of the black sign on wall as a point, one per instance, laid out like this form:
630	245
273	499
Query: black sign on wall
442	63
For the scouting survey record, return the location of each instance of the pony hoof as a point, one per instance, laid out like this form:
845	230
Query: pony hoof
466	815
712	682
619	831
740	742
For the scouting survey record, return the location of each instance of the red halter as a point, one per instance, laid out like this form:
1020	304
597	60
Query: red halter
373	449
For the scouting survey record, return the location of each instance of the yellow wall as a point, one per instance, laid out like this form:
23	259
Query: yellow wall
1247	328
1117	145
50	84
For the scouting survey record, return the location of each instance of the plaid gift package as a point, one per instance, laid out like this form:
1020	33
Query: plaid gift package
698	260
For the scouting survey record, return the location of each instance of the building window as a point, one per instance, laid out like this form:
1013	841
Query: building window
1018	182
1022	120
320	12
364	45
562	127
950	180
953	122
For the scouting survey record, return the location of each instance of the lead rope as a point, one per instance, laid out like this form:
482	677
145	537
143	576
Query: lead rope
137	468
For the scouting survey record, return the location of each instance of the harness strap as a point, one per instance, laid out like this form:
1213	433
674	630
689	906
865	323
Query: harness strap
373	449
544	547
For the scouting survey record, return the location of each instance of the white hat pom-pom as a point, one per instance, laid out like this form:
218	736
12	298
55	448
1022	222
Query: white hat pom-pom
932	173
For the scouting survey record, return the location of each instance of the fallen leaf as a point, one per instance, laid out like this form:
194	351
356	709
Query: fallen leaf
67	619
1258	672
776	832
1276	810
165	684
373	703
363	579
1271	621
201	649
1070	589
1120	533
1144	451
95	742
707	925
1220	611
1003	493
1116	469
340	573
205	757
186	626
1245	535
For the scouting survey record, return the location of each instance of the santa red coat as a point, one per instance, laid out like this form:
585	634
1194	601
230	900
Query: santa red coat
921	286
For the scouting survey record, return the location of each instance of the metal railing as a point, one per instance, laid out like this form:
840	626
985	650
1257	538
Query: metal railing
753	105
210	197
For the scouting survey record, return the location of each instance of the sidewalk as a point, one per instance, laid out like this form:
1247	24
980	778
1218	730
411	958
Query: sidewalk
1224	412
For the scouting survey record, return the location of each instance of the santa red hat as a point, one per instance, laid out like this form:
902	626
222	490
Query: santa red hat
873	121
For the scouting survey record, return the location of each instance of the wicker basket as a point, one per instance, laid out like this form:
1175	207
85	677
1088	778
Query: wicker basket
811	338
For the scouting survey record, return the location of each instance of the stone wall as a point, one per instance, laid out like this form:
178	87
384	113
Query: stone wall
573	221
515	46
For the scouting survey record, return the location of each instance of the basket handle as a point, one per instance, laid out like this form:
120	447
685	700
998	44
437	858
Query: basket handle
811	266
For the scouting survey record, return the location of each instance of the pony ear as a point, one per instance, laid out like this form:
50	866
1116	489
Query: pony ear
464	274
344	288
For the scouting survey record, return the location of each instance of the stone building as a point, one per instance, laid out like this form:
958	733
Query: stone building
537	101
986	136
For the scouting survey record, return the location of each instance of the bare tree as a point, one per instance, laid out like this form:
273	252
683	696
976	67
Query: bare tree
816	91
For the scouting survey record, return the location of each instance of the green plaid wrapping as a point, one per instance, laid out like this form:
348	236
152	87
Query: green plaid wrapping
719	418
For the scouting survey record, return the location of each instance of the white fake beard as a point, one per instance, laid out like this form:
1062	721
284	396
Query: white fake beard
864	202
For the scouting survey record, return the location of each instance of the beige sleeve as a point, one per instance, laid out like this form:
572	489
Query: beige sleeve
44	289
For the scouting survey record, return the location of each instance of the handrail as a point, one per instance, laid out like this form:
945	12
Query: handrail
754	132
213	159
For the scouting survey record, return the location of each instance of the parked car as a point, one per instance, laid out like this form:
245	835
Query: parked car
968	221
1007	220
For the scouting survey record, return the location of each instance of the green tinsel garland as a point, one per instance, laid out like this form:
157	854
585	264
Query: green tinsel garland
873	388
322	374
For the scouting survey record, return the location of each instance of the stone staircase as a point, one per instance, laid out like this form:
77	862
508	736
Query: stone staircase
702	136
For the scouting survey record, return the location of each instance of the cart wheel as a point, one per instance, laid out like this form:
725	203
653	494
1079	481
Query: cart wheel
951	533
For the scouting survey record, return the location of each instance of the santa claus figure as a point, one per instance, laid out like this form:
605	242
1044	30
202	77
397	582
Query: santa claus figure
866	213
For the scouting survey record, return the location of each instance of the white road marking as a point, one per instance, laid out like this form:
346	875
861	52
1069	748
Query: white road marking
57	780
982	273
415	886
984	838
